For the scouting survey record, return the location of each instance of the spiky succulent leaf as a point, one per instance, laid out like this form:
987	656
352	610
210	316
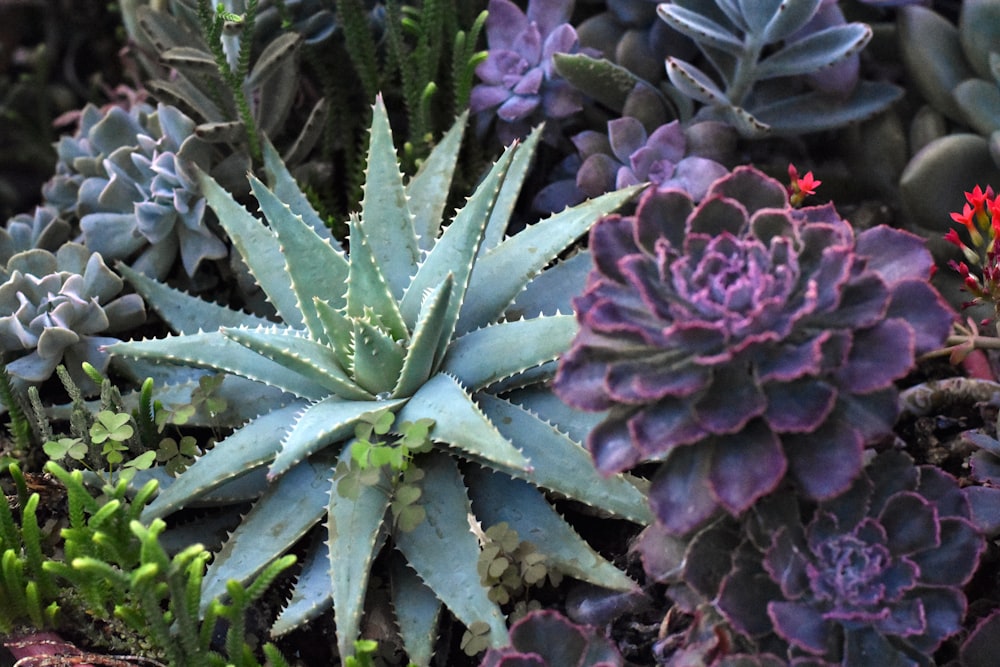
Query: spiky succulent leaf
312	593
320	424
560	464
367	289
311	263
290	507
387	219
303	356
427	191
258	247
497	498
459	422
428	333
287	190
217	351
184	313
502	273
231	457
455	251
353	527
444	552
417	611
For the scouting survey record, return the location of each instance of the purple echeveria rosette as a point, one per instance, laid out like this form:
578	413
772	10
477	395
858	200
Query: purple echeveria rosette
741	340
519	83
873	576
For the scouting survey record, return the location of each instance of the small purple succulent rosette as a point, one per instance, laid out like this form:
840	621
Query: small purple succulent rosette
874	576
628	155
741	341
519	81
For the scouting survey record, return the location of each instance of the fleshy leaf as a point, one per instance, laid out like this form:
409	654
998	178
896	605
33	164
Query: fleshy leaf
497	498
216	351
502	273
233	456
320	424
444	552
293	351
354	527
259	248
385	216
428	333
428	190
289	508
459	422
314	266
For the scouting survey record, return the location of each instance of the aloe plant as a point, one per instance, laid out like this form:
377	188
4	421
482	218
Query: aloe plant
453	324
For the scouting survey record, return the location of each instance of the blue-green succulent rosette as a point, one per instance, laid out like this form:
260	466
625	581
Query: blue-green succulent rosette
741	341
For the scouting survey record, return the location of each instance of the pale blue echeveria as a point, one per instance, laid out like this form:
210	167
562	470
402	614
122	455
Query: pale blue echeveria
44	229
58	309
127	177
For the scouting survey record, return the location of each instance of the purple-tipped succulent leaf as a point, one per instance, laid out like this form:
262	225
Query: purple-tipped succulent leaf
548	639
740	340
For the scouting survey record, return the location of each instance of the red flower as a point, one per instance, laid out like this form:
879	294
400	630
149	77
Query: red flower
965	217
801	187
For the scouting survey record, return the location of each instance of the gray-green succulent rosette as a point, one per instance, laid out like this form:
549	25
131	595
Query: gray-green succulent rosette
128	178
59	309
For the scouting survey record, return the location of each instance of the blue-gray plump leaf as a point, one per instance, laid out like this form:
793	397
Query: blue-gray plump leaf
182	312
980	102
502	273
241	452
385	214
694	83
354	527
289	508
560	464
286	189
421	355
812	112
320	424
311	595
789	17
456	250
258	247
484	356
215	351
459	422
444	552
417	612
699	28
818	50
497	498
291	350
429	187
313	266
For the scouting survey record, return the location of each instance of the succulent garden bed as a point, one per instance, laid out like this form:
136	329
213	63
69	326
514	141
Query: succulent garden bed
500	333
